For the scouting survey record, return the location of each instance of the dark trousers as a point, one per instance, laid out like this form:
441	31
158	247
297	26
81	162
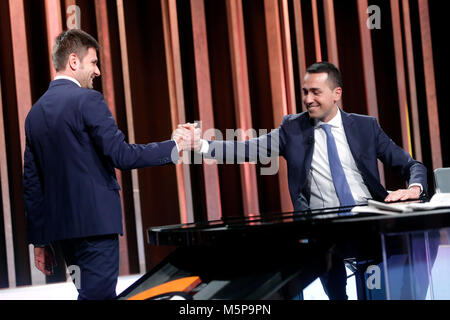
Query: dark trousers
334	281
329	267
93	263
414	267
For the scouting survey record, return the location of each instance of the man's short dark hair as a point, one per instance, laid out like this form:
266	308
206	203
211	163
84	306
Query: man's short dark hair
334	76
71	41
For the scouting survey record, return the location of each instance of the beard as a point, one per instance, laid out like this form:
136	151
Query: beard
86	78
90	84
87	82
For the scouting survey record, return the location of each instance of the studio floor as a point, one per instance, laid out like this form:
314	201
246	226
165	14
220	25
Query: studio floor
67	291
439	288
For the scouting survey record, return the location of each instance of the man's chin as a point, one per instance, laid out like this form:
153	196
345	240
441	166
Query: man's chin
313	114
89	84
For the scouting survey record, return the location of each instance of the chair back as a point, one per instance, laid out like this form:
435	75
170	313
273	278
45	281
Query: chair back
442	180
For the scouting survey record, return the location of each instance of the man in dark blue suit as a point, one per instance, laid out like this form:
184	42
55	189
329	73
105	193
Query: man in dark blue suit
331	157
70	188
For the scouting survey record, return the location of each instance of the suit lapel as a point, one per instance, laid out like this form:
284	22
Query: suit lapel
307	129
351	133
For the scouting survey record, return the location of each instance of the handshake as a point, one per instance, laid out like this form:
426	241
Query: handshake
188	137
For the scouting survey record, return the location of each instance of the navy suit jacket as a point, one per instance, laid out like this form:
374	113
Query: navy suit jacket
72	147
294	140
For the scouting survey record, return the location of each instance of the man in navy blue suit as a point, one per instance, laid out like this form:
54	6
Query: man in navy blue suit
70	188
331	157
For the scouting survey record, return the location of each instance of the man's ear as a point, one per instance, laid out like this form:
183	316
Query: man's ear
73	62
337	93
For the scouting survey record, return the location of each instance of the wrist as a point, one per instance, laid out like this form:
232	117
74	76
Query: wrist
176	144
416	189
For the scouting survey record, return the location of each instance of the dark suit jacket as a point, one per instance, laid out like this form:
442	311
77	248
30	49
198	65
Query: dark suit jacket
294	140
72	148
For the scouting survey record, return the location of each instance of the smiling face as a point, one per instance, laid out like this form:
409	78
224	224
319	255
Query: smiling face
88	69
84	70
319	96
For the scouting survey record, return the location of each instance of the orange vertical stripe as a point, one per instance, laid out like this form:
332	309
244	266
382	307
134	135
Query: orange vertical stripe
176	96
430	85
54	27
242	99
212	188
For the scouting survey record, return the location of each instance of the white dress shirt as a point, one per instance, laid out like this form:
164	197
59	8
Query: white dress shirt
323	194
68	78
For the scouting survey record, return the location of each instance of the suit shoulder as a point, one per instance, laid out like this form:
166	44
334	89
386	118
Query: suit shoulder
294	120
34	108
89	93
93	106
364	122
89	96
362	117
72	93
296	117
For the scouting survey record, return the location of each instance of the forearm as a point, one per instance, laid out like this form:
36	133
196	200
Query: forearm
418	176
134	156
259	149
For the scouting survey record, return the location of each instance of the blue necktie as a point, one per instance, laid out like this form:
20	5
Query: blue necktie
337	172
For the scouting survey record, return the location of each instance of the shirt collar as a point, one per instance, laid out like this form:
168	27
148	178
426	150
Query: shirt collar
336	122
67	78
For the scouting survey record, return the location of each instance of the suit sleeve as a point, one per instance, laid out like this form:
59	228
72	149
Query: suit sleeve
392	155
261	149
33	194
110	141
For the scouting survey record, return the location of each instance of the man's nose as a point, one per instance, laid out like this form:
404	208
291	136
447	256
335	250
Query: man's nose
307	99
97	71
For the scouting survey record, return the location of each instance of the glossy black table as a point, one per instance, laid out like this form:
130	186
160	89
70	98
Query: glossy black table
255	257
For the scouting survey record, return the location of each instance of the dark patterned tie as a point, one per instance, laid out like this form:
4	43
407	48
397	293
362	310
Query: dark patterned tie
337	172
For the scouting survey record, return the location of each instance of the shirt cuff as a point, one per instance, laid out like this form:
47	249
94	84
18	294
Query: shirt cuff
178	148
205	146
416	184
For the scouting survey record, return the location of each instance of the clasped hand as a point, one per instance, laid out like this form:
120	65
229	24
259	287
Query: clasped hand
187	137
